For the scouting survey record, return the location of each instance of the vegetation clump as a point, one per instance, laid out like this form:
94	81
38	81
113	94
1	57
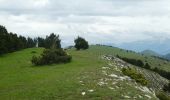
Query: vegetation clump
138	77
10	42
81	43
51	56
162	72
51	41
147	66
135	62
167	87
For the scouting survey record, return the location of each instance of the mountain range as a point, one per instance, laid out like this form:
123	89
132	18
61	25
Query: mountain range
153	53
150	53
162	47
151	48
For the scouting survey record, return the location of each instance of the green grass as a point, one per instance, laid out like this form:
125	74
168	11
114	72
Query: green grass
20	80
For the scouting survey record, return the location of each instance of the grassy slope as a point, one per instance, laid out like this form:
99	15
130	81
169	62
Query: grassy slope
154	62
150	53
20	80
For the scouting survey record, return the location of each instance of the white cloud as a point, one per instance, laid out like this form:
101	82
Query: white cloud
40	3
115	21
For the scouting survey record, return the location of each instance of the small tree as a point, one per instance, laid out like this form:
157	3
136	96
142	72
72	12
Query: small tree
30	42
147	66
52	41
53	54
81	43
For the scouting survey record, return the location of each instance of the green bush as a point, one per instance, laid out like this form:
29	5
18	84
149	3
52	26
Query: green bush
147	66
138	77
33	52
51	56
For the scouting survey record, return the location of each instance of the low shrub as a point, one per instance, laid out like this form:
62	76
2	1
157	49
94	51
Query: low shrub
147	66
51	56
167	87
138	77
33	52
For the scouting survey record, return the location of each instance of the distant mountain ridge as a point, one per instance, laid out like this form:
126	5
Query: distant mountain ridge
150	53
153	53
153	48
167	56
161	47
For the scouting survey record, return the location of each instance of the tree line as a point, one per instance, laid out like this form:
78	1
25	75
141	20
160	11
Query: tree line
53	53
136	62
10	42
51	41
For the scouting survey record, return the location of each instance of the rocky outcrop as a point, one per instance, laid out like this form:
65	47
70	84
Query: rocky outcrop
156	82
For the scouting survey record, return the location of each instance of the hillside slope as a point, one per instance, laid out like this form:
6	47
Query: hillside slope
87	77
153	61
150	53
167	56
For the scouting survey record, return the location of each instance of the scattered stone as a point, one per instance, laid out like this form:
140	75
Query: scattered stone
135	97
127	97
122	65
105	68
124	78
139	96
144	89
114	83
110	64
108	79
113	75
111	88
104	72
83	93
148	96
91	90
101	83
116	69
117	87
113	80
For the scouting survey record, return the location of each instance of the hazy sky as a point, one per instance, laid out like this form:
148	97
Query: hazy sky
99	21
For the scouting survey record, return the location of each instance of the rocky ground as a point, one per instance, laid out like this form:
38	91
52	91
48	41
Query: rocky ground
110	78
156	82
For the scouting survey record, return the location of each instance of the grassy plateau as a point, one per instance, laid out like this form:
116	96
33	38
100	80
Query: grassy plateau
78	80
